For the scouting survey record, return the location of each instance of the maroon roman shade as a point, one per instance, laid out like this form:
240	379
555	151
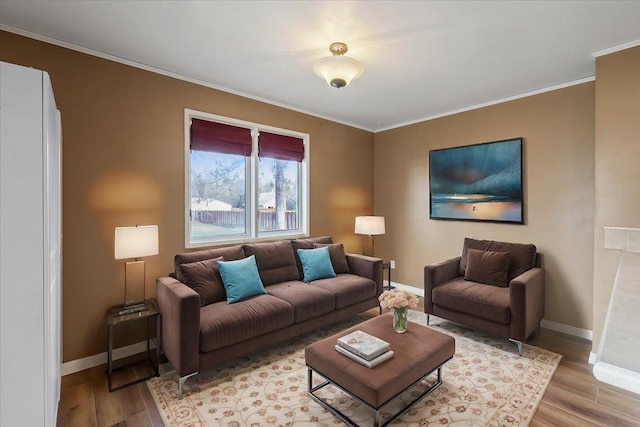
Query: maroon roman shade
220	138
280	147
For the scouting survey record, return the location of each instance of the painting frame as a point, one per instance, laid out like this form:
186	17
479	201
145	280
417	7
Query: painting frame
479	182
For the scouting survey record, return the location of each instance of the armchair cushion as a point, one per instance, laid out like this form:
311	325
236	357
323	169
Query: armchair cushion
483	301
487	267
522	256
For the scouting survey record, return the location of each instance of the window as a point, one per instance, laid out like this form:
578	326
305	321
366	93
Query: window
245	181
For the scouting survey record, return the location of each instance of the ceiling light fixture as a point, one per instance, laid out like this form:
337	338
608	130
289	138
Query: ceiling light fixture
338	70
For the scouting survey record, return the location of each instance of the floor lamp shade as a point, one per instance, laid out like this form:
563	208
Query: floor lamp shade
370	226
135	242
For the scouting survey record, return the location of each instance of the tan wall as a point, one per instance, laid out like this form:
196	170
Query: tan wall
558	136
124	165
617	167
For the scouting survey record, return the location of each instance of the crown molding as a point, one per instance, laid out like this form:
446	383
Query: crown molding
614	49
498	101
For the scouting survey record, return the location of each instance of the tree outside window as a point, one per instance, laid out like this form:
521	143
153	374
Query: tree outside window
278	198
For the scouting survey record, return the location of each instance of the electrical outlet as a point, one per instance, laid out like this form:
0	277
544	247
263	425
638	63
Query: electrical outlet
392	263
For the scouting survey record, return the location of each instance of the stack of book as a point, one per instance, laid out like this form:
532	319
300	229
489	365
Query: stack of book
364	348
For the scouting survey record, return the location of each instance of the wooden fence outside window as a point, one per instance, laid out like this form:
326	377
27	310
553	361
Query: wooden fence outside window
236	218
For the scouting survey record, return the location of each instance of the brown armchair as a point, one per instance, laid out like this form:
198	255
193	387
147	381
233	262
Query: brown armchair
494	286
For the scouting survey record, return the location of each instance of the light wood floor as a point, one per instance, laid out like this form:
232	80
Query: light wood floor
574	397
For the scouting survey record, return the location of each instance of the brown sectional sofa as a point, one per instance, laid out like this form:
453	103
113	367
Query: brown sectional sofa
498	287
200	330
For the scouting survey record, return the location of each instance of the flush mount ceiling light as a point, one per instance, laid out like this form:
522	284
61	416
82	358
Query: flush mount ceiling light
338	70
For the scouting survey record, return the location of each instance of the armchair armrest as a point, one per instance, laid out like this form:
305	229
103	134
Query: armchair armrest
437	274
366	266
527	300
180	309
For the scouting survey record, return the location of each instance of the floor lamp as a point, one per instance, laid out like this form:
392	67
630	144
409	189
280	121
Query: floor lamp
370	226
135	242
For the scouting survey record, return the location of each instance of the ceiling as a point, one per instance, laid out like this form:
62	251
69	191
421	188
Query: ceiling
422	59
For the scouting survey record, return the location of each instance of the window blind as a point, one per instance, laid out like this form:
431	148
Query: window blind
280	147
220	138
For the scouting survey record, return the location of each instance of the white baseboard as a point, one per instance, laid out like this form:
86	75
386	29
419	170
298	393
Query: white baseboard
78	365
412	289
587	334
593	357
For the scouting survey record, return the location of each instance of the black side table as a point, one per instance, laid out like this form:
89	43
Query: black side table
113	320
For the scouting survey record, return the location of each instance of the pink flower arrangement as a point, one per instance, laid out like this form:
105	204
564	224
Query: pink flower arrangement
398	298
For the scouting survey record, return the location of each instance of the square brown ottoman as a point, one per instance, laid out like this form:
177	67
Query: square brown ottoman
417	353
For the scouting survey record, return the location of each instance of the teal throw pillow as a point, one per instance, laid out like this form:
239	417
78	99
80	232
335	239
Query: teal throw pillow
316	264
241	279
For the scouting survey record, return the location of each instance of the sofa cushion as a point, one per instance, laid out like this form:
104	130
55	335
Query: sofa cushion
241	279
204	278
224	324
338	257
316	264
308	301
522	256
348	289
307	244
476	299
276	261
229	253
487	267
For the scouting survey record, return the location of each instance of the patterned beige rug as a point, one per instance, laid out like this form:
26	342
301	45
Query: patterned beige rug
485	384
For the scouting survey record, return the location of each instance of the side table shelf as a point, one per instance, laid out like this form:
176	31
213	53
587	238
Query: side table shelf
113	320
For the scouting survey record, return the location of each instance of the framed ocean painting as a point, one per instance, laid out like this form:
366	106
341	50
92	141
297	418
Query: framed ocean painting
480	182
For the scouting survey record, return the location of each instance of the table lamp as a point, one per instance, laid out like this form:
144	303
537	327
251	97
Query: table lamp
135	242
370	226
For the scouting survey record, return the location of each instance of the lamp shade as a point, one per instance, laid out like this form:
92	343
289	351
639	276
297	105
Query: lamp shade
370	225
135	242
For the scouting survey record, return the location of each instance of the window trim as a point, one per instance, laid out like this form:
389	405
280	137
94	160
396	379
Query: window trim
251	202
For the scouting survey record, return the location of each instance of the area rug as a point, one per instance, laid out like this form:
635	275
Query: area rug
485	384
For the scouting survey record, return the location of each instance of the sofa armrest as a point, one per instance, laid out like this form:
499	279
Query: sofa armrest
366	266
527	300
180	309
437	274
